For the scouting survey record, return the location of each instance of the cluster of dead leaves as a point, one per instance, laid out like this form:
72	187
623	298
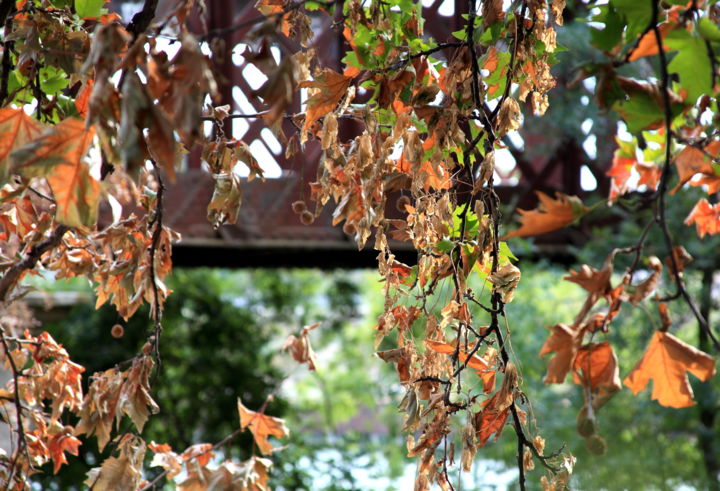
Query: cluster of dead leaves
595	365
115	393
195	469
49	387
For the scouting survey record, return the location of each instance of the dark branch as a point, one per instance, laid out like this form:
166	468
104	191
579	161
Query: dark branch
28	262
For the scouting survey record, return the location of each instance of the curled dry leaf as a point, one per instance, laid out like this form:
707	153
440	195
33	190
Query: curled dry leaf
506	280
509	117
551	214
300	348
122	472
262	427
565	342
491	419
596	368
644	289
665	362
682	259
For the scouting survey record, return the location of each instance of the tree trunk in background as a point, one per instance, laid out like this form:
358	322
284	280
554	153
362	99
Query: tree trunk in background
707	398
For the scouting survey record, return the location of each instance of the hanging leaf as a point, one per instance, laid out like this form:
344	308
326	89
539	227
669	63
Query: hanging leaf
330	87
59	156
706	218
551	214
564	341
665	362
262	426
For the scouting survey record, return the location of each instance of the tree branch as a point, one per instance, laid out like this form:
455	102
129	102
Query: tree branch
28	262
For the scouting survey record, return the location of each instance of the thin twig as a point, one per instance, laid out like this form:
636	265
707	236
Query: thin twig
22	440
156	236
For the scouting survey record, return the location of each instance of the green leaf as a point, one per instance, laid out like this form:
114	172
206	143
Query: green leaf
445	245
608	37
505	253
637	15
708	29
691	63
90	8
639	111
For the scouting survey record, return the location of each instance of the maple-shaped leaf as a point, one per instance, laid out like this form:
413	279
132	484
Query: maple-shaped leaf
649	175
262	426
624	159
60	443
706	218
16	130
551	214
665	362
330	87
564	341
58	155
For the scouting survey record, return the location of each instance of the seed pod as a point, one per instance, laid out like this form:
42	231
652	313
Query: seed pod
596	445
117	331
586	426
299	206
349	228
306	217
401	203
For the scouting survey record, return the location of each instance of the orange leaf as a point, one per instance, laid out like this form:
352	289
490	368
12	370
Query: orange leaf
274	8
591	279
692	161
16	130
564	342
59	155
59	444
262	426
706	218
448	349
665	362
596	366
489	421
648	43
82	101
300	348
551	214
332	86
649	175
